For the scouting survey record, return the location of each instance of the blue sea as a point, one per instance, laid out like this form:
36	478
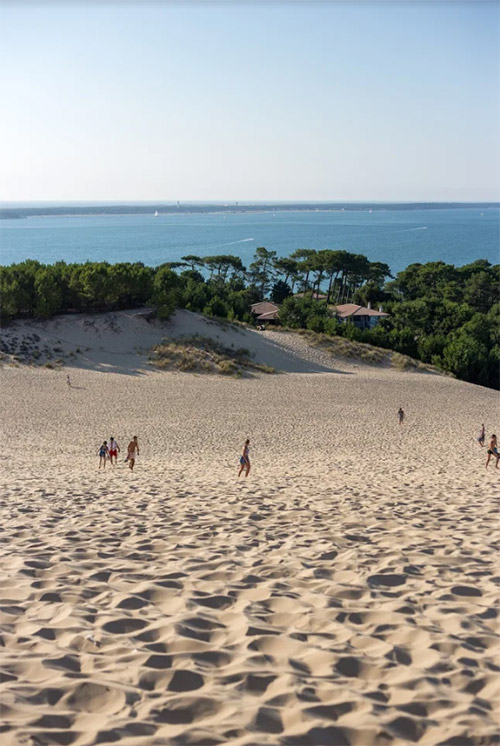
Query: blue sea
397	237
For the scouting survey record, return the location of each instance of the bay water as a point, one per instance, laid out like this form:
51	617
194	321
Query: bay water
397	237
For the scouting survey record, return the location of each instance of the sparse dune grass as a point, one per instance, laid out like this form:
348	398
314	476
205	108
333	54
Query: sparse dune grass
401	362
342	347
404	362
228	368
199	354
339	346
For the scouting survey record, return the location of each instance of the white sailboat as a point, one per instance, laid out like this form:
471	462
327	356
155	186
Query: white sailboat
156	213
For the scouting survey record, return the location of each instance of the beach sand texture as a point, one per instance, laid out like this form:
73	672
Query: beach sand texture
346	593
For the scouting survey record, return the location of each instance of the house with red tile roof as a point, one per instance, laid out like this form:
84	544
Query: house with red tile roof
362	317
265	311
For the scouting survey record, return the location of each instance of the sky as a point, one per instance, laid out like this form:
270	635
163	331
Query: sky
250	101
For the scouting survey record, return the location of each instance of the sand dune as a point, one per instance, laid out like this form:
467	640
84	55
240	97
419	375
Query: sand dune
345	593
120	342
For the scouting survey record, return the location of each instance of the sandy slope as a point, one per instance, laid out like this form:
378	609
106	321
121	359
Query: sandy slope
344	594
119	342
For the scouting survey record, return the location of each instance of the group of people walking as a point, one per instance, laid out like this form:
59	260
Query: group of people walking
110	450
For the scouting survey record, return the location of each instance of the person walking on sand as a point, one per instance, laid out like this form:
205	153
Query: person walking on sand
401	415
68	380
482	436
132	452
245	459
114	450
103	452
493	450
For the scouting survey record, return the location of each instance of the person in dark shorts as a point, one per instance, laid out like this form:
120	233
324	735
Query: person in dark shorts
103	453
401	415
245	459
493	450
482	436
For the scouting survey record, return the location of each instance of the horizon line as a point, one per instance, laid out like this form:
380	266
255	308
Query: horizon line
240	203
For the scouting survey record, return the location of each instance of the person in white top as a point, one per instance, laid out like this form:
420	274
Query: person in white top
114	450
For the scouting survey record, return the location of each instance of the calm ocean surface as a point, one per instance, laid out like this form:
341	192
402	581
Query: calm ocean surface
397	237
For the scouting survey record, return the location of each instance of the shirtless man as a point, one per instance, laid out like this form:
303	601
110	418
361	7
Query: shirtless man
132	450
493	450
401	415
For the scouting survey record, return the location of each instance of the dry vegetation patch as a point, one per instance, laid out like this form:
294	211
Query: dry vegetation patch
404	362
342	347
200	354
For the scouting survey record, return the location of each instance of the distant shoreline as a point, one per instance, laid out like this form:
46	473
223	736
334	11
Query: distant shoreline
13	213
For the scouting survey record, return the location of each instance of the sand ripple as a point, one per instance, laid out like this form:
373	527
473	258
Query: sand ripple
226	629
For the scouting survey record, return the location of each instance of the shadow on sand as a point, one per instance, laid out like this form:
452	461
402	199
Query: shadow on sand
265	351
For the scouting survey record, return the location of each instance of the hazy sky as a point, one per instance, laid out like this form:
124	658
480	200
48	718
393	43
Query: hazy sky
250	101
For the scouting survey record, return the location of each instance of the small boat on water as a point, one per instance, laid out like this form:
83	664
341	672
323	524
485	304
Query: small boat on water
156	213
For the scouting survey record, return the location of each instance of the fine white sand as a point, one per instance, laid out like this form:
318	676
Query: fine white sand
344	594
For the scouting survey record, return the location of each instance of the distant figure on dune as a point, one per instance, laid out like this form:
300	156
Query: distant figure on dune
132	451
245	459
482	436
114	450
103	452
401	416
68	380
493	450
